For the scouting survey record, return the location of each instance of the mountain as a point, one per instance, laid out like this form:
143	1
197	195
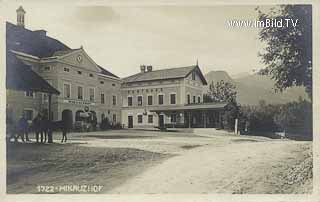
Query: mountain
253	88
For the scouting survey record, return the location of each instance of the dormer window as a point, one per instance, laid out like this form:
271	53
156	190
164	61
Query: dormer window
193	75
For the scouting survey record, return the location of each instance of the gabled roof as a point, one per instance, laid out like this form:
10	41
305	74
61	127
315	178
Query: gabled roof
101	69
36	44
20	76
64	52
163	74
106	72
31	42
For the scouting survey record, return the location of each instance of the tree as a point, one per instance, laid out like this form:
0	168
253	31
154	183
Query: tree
224	92
221	92
288	51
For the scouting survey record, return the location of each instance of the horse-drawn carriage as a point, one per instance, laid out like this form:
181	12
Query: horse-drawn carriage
85	122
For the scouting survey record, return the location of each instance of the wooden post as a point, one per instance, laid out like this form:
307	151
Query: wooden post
50	140
236	126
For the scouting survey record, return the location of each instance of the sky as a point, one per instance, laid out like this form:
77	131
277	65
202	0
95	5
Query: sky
121	38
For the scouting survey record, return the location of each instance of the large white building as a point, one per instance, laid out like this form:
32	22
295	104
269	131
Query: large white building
83	84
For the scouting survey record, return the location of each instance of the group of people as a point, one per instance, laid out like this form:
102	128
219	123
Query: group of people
40	126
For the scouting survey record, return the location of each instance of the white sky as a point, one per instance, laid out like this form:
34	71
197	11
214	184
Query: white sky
122	38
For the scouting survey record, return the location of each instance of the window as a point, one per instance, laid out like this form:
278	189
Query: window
199	99
47	68
102	98
101	82
129	101
172	99
193	75
114	100
188	99
29	93
150	99
79	72
28	113
173	118
91	75
160	99
139	100
67	90
80	92
150	118
45	97
113	84
66	69
91	94
139	118
114	118
194	99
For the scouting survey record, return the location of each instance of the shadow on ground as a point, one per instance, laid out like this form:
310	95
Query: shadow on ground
30	165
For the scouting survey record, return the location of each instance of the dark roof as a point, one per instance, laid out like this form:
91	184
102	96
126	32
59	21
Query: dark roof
63	52
32	42
20	76
37	44
106	72
163	74
202	106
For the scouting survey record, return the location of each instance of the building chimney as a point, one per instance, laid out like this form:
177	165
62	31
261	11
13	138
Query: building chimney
143	68
149	68
20	16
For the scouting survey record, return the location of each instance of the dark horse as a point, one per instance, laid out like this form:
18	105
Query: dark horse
60	125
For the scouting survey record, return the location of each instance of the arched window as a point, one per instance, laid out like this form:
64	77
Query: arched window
78	115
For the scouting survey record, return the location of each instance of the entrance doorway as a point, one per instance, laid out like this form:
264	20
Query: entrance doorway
130	121
161	121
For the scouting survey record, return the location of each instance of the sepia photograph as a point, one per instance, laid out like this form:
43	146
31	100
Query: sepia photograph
158	99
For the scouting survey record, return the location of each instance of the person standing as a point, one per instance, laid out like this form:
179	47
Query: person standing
25	127
21	128
64	128
44	127
37	127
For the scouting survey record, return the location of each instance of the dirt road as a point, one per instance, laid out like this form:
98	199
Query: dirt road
163	162
240	167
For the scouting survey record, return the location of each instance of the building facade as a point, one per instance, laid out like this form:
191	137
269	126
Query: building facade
150	90
83	85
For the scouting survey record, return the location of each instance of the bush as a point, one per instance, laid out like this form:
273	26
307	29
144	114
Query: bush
292	117
117	126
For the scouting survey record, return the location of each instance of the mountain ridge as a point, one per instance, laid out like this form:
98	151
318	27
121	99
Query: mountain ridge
251	88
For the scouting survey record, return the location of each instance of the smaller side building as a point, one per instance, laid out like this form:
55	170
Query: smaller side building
167	98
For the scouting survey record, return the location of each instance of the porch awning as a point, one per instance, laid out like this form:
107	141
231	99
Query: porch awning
190	107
